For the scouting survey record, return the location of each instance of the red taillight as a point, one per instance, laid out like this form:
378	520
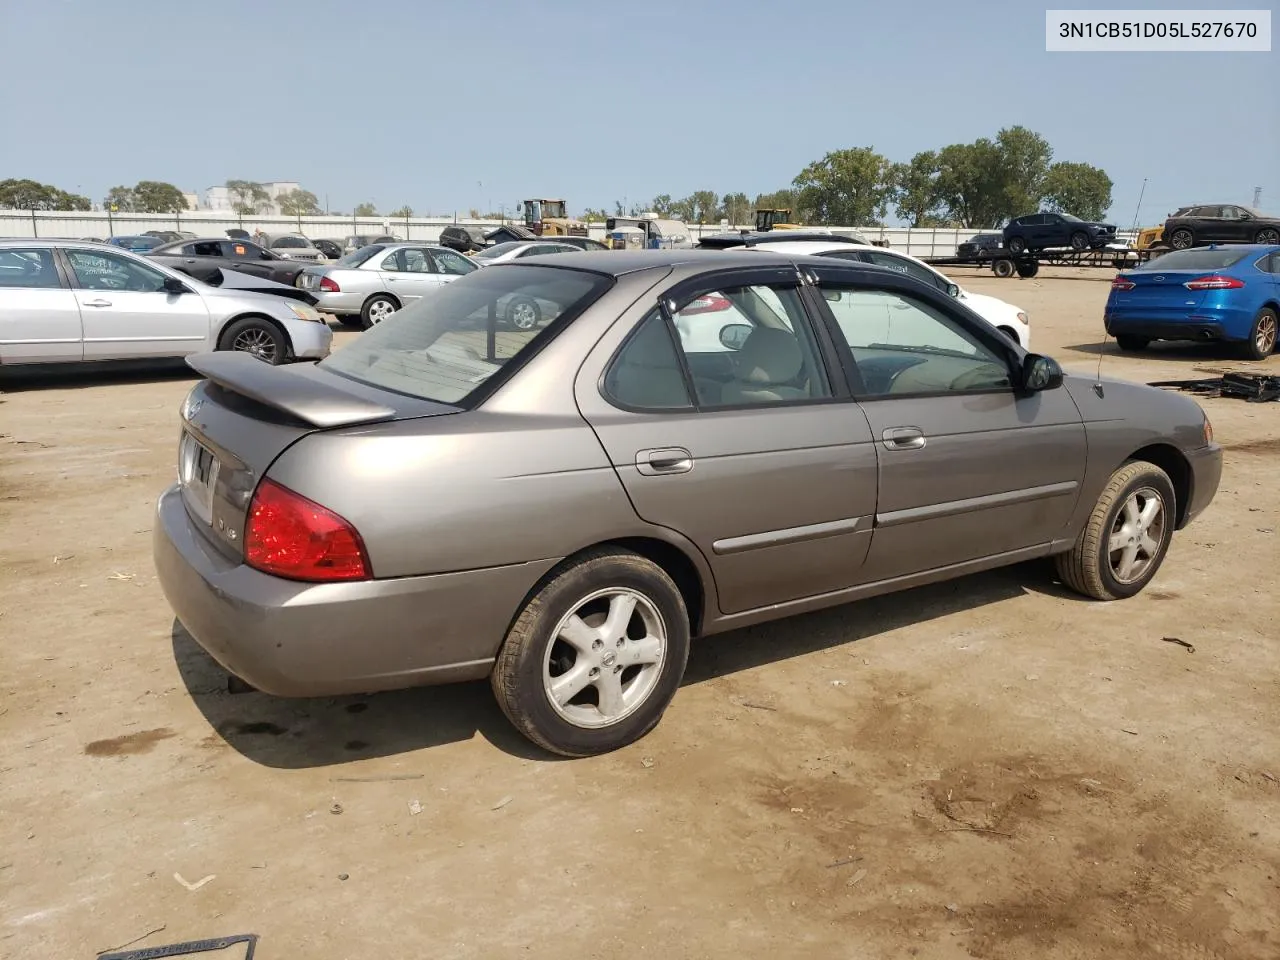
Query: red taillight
293	537
328	285
706	305
1214	282
1122	283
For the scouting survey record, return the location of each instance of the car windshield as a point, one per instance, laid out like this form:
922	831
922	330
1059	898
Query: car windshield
357	257
445	346
499	249
1194	260
290	242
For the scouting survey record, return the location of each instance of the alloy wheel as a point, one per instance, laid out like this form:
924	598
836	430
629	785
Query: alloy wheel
524	316
1136	535
379	310
255	341
1265	338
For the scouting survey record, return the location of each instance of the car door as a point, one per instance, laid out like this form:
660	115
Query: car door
409	273
126	311
201	259
744	441
39	316
968	468
243	256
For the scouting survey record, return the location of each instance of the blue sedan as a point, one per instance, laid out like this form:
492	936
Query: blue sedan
1227	293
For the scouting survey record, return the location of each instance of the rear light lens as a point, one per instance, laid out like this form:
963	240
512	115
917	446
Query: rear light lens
1122	283
1214	282
329	285
292	537
706	305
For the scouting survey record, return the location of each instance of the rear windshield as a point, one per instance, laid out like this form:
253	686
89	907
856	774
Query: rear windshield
290	242
499	249
357	257
443	347
1195	260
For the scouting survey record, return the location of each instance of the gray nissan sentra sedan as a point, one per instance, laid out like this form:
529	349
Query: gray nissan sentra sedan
698	441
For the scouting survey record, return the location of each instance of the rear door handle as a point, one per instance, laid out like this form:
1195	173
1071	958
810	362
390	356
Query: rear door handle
664	460
903	438
97	303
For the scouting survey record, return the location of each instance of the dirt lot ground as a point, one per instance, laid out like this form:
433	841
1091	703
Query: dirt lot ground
989	768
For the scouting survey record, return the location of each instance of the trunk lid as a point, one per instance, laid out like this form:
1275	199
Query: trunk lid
246	413
1158	291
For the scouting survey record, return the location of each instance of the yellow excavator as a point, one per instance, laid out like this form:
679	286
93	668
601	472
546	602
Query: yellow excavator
547	218
779	219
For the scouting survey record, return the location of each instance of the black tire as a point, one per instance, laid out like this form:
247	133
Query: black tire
1182	239
1017	245
1130	343
1002	267
1268	235
1080	241
518	680
1262	335
258	337
351	320
1087	568
372	313
523	313
1028	268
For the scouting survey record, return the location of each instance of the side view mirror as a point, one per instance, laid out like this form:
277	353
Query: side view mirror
174	285
734	335
1040	373
953	290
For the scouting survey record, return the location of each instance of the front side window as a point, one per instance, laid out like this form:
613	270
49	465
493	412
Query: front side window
452	263
903	345
909	267
98	270
446	346
28	268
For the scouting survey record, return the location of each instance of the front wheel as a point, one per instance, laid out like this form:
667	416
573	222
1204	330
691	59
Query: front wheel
1017	245
1129	343
523	313
1126	537
259	338
1079	241
1002	267
595	657
1262	336
1268	235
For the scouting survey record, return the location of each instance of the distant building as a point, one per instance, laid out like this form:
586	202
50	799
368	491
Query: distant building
220	198
193	201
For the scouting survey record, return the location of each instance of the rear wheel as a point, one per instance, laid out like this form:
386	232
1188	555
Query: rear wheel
376	309
523	313
257	337
1028	268
1262	338
1002	267
1268	235
1017	245
1079	241
1126	538
595	656
1128	342
1181	239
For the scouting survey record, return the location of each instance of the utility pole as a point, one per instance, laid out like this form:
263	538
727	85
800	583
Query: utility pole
1257	198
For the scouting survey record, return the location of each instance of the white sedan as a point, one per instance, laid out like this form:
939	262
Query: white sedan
1012	321
67	301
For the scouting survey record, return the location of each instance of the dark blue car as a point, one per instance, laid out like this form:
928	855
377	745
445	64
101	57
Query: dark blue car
1222	293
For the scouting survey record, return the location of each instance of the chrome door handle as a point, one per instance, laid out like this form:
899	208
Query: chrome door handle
97	303
903	438
664	460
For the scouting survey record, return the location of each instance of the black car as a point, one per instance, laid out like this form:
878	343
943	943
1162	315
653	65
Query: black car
462	238
1219	223
582	243
330	248
980	246
203	259
1047	231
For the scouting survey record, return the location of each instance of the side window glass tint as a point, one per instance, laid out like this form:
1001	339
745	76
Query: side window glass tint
106	271
453	263
907	346
28	268
392	262
646	373
207	249
415	260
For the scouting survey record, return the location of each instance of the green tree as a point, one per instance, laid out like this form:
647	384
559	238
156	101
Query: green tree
591	215
915	190
736	207
703	206
155	196
298	203
365	210
971	183
1079	189
778	200
33	195
1024	158
120	198
247	197
404	213
850	186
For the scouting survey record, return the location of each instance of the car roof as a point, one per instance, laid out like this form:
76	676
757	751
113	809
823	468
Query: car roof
771	237
619	263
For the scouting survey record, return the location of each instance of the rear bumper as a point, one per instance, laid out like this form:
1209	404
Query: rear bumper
1206	474
1188	329
342	304
295	639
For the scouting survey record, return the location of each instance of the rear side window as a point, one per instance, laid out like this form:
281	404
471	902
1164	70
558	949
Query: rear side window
646	374
1194	260
28	268
445	347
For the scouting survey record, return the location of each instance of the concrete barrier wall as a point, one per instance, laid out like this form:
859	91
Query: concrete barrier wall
940	242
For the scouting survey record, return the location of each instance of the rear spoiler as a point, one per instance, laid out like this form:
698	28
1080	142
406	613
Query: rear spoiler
296	389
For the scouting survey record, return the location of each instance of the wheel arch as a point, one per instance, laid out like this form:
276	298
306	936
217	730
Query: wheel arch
385	294
250	315
1173	462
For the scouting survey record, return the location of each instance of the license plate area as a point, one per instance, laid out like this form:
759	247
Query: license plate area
198	475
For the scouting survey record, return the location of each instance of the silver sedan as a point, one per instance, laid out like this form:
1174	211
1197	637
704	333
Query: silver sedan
374	282
67	301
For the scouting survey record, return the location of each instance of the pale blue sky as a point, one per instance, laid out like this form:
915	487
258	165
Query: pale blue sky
421	102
